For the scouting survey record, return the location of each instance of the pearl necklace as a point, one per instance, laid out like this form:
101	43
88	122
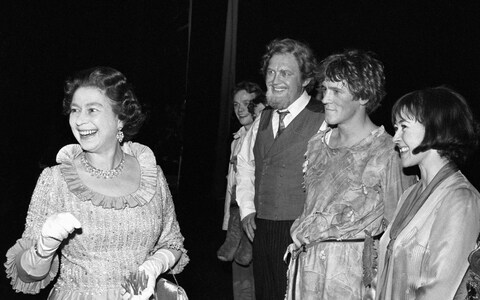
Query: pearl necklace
105	174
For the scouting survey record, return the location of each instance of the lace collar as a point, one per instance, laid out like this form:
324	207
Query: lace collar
144	193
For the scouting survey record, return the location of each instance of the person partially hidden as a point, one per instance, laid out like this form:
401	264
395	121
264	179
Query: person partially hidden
237	246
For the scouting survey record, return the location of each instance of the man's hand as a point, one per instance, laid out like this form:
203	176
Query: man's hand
249	226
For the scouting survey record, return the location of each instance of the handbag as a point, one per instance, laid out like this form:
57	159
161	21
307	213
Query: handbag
474	260
167	290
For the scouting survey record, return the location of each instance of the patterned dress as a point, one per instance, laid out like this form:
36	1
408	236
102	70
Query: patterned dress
117	234
349	190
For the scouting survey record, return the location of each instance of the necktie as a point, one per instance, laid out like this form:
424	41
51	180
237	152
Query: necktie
281	125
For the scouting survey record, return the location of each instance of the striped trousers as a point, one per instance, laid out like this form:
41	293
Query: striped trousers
270	271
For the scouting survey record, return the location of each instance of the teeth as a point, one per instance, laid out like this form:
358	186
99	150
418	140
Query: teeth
403	149
87	132
278	89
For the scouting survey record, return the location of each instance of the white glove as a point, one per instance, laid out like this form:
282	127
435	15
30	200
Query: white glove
36	261
155	265
56	228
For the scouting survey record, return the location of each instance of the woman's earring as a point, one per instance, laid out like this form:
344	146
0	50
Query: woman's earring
120	135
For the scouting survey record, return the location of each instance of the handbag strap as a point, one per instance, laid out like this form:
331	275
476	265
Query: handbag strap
171	290
174	278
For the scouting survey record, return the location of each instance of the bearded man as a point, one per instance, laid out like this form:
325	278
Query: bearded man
269	178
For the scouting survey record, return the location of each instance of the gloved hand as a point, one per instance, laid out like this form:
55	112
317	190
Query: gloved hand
36	261
56	228
155	265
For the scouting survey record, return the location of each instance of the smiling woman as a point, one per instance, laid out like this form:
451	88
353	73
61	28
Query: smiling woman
424	251
409	134
105	210
93	122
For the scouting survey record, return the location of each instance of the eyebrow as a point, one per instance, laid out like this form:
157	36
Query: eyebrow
89	104
332	87
281	68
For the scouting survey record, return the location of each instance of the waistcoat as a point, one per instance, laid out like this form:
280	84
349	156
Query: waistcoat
279	192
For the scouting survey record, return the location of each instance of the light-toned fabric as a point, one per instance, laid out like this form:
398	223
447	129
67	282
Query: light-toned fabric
429	257
242	276
238	138
349	190
246	161
117	234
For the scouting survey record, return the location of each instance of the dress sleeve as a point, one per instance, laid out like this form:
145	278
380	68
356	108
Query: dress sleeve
453	236
171	236
41	206
395	183
245	176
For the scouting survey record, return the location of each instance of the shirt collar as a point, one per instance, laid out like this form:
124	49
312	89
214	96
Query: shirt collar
242	131
298	105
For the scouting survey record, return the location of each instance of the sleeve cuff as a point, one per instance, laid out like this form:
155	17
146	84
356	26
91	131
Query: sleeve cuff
246	211
12	270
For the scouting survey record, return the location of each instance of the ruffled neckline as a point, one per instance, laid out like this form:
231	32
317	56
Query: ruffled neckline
144	193
360	146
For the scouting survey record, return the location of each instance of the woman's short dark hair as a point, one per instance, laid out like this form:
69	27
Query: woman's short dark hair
304	55
361	71
450	127
115	86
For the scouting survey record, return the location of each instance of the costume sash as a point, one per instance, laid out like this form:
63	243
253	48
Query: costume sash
409	209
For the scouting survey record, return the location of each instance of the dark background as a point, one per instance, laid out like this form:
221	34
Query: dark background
422	43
